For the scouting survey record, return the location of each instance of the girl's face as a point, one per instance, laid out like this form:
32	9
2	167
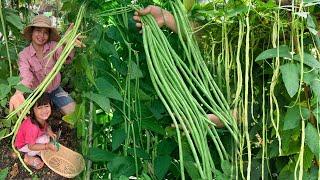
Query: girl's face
42	113
40	36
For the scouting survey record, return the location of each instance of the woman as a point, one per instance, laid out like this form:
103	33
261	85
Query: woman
34	65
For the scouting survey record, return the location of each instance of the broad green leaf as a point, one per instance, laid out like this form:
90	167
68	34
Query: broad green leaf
315	86
116	118
121	166
152	125
118	137
4	172
308	59
4	90
99	155
14	80
292	118
107	89
23	88
134	70
226	167
272	53
13	18
237	10
191	168
3	132
311	25
290	77
309	76
166	147
140	153
123	177
78	114
312	139
106	49
87	67
102	101
188	4
307	158
219	175
161	166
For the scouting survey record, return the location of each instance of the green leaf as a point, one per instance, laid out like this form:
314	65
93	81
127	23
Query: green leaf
4	172
106	49
188	4
23	88
3	132
140	153
102	101
118	137
292	118
290	77
99	155
272	53
226	167
315	86
4	90
312	139
107	89
134	70
78	114
161	166
166	147
121	166
14	80
123	177
307	158
308	59
116	118
191	168
13	18
152	125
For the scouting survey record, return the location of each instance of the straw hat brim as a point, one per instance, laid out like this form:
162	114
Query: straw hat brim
54	35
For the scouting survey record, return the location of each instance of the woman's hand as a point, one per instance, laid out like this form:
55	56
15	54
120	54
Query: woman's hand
16	100
162	17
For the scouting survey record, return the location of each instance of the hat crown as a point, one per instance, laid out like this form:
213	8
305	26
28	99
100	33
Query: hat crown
41	20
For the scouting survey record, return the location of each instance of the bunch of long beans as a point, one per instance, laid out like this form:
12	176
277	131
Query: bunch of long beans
68	42
172	77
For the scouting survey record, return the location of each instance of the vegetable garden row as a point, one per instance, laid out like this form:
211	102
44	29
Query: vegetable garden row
143	98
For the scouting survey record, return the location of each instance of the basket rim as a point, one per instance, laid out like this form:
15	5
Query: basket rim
71	175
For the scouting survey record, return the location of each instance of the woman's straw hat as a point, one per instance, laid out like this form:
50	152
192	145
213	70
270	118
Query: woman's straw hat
41	21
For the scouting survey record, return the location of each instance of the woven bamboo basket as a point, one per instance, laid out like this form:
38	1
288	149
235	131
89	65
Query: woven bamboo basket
64	162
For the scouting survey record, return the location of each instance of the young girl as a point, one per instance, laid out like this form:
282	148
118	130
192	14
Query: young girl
34	133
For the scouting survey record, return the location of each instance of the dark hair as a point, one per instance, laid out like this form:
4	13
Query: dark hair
43	100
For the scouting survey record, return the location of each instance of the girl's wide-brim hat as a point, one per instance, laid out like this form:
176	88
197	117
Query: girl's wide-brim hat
41	21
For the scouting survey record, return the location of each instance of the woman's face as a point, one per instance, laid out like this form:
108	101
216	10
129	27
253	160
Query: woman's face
40	36
42	113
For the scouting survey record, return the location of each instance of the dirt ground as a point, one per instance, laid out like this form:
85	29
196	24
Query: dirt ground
17	171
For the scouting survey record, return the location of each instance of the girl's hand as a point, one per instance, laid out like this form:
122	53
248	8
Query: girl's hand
51	133
162	17
51	147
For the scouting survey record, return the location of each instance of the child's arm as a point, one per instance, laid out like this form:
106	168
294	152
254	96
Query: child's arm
51	133
40	147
